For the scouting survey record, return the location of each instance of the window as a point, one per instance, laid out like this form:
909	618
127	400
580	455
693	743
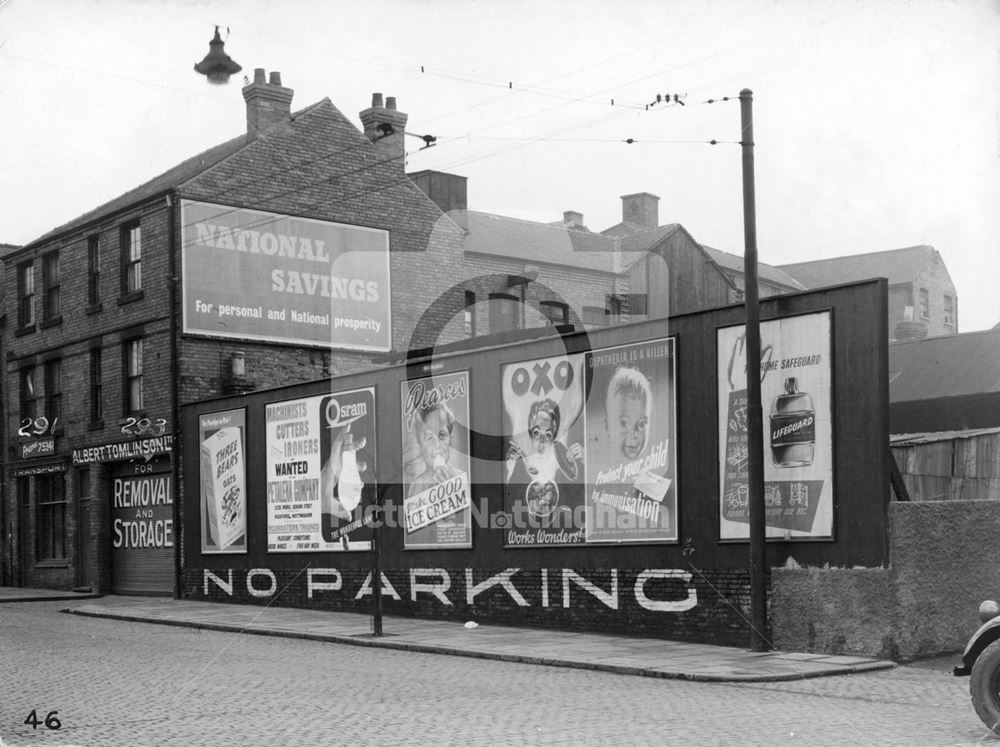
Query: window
96	387
555	312
25	295
133	375
131	239
93	271
53	391
949	311
503	312
29	399
470	314
50	287
925	304
615	305
50	517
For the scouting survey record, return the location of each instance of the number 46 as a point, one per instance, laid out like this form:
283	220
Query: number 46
51	722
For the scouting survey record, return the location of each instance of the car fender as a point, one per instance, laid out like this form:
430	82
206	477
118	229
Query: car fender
988	632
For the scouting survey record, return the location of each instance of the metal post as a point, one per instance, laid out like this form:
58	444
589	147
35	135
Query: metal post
377	562
759	633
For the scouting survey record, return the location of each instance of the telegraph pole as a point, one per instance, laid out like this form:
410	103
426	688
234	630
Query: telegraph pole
759	633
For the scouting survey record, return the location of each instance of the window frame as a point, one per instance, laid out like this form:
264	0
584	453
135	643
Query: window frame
26	295
556	312
132	376
469	314
503	306
51	302
131	259
96	387
949	310
924	301
50	517
94	271
52	375
27	392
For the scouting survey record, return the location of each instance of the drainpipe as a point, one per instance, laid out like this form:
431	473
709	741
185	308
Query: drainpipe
175	392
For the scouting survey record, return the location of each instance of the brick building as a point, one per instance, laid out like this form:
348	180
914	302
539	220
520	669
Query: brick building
922	298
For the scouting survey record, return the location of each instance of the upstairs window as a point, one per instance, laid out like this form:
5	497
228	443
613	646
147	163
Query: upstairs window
595	316
96	387
51	308
25	295
29	396
470	314
132	370
925	304
53	391
555	312
93	271
503	312
949	311
131	239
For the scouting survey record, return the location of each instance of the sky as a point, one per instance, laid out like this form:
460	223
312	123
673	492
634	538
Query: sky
876	123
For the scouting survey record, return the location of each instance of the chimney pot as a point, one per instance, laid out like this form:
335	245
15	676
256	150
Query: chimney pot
275	78
258	75
390	102
268	105
377	101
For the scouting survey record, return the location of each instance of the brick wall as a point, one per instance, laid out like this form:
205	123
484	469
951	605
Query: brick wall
708	606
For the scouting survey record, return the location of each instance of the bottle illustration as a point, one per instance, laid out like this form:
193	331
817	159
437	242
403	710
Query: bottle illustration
793	427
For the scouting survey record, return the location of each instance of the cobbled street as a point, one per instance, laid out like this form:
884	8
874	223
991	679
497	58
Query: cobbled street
124	683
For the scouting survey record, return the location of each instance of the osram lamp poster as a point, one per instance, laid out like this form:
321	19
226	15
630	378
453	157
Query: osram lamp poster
320	472
631	464
222	463
253	275
543	429
437	500
796	386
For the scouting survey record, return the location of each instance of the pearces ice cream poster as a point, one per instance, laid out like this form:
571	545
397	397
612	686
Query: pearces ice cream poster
320	472
631	469
437	500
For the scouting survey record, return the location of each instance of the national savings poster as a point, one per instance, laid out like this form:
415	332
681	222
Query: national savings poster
796	387
437	500
631	464
320	472
543	434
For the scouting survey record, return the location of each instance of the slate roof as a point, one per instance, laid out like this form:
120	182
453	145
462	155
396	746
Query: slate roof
898	265
770	273
513	238
948	366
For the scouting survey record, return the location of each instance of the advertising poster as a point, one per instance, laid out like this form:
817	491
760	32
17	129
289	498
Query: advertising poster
222	463
437	500
631	463
320	472
796	387
253	275
543	430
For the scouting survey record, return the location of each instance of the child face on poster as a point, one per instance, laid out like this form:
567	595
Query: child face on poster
627	409
543	425
434	438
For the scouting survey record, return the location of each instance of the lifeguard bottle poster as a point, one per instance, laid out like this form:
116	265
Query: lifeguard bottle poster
795	387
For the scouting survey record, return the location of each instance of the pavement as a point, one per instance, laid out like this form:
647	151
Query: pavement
650	657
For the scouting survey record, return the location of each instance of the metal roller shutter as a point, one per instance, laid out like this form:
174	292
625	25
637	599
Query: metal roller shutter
142	536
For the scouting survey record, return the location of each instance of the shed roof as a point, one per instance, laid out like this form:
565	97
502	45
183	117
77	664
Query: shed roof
766	272
949	366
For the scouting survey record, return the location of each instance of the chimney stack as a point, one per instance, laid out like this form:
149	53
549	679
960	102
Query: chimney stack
641	209
385	126
572	219
269	104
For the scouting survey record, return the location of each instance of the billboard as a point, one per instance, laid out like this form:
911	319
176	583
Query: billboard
795	388
437	499
253	275
223	472
320	471
631	464
543	434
